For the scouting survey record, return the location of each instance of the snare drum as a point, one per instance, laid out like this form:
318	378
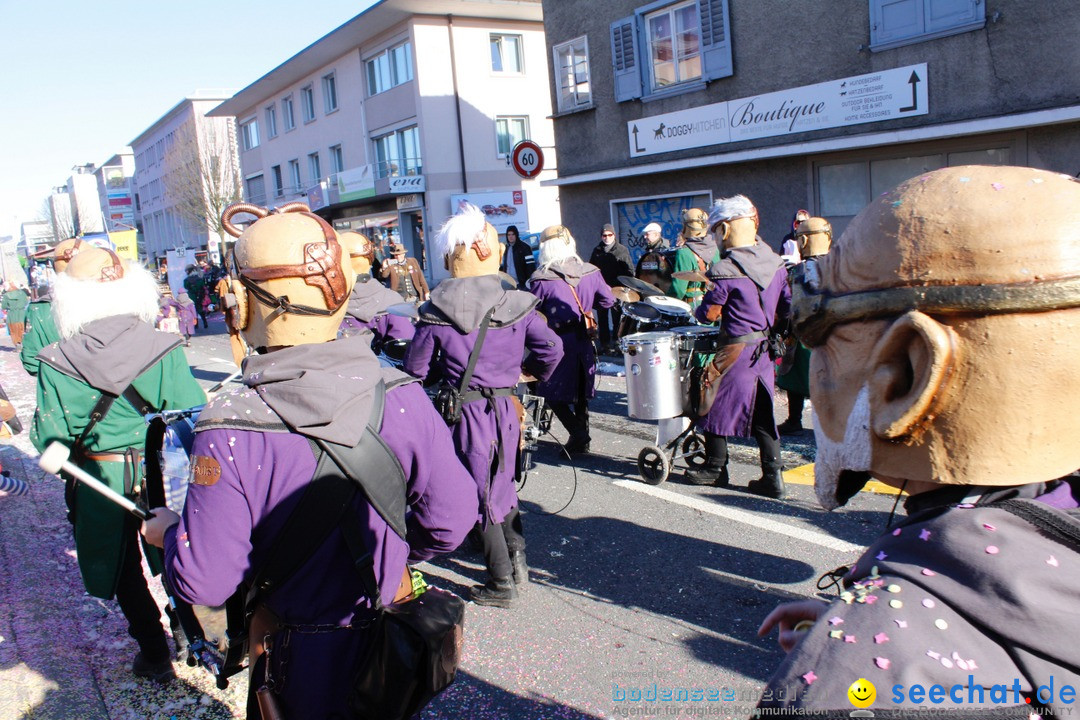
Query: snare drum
638	317
653	384
673	313
701	339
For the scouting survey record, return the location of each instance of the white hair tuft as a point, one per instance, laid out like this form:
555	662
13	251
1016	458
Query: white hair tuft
728	208
79	302
460	229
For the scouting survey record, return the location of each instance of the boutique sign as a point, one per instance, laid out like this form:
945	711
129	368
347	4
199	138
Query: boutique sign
874	97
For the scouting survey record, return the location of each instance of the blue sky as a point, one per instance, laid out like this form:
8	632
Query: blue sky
82	78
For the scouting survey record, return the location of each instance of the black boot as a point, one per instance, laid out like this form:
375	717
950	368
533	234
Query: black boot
708	475
497	592
521	570
770	485
160	672
791	426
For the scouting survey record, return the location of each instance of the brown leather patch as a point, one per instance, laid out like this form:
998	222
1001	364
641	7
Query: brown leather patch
204	470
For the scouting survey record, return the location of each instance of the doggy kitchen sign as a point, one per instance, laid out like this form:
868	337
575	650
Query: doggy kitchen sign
873	97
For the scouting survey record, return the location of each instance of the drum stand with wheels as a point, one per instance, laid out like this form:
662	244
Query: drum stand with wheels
676	439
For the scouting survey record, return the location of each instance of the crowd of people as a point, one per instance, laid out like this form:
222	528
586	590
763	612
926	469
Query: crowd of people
927	338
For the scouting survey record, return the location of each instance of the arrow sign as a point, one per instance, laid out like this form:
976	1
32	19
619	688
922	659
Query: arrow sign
637	148
914	82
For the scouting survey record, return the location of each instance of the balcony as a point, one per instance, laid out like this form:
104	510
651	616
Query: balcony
399	167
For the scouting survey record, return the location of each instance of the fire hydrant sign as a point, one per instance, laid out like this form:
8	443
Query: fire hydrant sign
527	159
875	97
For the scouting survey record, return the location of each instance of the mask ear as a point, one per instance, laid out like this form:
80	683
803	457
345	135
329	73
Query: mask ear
236	305
911	367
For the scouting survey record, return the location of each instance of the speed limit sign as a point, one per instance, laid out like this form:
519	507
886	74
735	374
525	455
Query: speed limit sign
527	159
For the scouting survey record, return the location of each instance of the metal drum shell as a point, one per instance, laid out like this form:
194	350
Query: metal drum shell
698	338
654	388
673	312
638	317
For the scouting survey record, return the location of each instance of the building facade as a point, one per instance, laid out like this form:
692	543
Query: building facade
386	123
671	104
185	168
116	191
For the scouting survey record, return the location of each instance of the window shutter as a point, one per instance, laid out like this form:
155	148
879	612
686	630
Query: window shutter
947	14
624	58
892	20
715	40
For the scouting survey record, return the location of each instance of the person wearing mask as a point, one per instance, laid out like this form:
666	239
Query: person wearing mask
613	260
42	330
474	308
569	289
368	303
943	326
257	450
14	304
518	261
697	253
195	285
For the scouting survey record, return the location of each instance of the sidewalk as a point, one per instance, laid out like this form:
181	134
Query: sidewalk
65	655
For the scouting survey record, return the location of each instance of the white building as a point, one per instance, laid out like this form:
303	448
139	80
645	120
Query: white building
116	191
384	124
170	188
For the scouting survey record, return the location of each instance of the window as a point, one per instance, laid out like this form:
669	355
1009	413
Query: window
572	73
337	159
294	175
314	167
329	93
390	68
271	121
506	54
279	188
249	134
287	115
902	22
398	153
307	103
509	131
256	193
670	49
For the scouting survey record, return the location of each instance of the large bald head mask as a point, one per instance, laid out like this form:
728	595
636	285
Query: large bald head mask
945	325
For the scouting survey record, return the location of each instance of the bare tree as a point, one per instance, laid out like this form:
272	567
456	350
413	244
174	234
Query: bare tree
202	174
57	212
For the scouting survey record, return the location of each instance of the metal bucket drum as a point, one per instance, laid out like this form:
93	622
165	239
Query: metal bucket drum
701	339
653	384
673	313
638	317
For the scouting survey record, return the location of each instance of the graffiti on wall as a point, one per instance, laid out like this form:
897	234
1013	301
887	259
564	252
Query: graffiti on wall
631	217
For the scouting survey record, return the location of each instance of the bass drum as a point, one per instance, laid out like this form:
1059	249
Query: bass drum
673	313
638	317
653	375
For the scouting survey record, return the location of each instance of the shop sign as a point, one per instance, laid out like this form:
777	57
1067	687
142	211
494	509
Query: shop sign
502	209
407	184
414	201
356	183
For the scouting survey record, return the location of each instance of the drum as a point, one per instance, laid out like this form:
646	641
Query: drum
700	339
653	383
638	317
673	313
392	353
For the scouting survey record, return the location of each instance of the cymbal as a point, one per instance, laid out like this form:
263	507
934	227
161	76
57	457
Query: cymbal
626	295
404	309
691	276
646	289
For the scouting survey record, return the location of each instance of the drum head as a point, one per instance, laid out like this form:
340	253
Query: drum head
669	305
643	339
696	331
642	311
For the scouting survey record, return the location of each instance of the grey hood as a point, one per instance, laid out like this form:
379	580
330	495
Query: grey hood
704	247
757	262
463	302
322	390
370	298
110	353
571	270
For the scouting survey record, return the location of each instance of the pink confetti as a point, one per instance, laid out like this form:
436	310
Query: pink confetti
965	506
881	638
836	620
809	677
927	603
924	534
935	655
881	555
992	550
928	572
900	623
871	599
1052	561
882	663
989	527
896	532
849	639
997	186
963	665
946	662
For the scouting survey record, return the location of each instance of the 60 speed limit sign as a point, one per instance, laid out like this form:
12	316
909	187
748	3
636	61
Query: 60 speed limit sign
527	159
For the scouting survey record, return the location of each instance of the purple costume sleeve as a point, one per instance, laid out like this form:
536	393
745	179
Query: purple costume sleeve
544	346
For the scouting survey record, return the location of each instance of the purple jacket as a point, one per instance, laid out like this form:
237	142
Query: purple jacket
558	305
231	520
367	312
488	436
744	313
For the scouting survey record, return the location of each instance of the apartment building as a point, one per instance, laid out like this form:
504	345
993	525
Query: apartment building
116	191
386	123
185	163
671	104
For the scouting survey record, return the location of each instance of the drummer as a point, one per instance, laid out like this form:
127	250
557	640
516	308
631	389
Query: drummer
569	289
696	254
654	267
368	303
750	295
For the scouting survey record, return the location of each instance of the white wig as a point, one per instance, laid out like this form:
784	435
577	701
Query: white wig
77	302
724	209
557	249
460	229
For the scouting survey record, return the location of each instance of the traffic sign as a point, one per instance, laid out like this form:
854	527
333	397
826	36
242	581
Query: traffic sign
527	159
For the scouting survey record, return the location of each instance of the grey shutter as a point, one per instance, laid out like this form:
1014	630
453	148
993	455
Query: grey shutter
892	20
947	14
715	40
624	58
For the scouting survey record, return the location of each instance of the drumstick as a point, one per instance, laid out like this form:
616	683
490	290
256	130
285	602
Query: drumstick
55	459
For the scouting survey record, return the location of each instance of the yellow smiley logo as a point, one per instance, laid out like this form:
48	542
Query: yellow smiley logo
862	693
